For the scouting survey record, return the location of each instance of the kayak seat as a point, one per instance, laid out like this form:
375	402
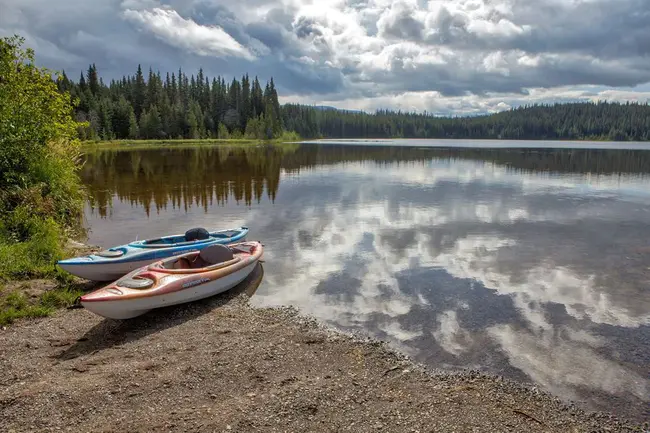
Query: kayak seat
212	255
198	233
182	263
135	283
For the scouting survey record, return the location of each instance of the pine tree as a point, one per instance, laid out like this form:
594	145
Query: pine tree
154	124
93	80
193	125
257	98
134	131
269	121
105	119
277	120
246	111
82	82
139	93
121	118
144	125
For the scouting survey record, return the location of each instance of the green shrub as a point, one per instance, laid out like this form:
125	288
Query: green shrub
290	136
41	198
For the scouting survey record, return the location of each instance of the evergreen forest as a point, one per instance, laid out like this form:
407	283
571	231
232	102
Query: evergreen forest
178	106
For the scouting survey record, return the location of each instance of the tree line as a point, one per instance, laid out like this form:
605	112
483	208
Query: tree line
173	107
195	107
568	121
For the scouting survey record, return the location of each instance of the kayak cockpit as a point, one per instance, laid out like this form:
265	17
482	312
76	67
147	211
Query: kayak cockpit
110	254
209	258
195	234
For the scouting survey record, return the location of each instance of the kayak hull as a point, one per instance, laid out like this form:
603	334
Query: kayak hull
172	287
102	271
122	310
117	261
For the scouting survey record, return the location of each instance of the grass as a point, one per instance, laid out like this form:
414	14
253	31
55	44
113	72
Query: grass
181	144
22	264
33	257
286	137
16	305
206	141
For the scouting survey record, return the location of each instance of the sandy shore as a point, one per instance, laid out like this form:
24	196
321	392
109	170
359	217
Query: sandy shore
220	365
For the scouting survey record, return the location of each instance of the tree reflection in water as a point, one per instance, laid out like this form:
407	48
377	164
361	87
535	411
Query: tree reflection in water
200	176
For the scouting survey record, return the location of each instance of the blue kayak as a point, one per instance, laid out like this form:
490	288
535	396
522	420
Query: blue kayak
113	263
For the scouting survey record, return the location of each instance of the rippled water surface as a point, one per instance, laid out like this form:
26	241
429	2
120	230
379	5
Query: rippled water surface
530	263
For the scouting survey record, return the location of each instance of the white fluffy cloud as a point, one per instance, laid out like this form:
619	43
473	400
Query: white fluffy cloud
456	56
185	34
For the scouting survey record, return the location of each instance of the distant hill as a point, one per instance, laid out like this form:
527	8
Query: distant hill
568	121
329	107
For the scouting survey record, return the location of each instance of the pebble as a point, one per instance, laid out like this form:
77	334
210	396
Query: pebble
310	385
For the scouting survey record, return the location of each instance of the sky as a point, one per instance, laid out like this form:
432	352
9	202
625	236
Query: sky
451	57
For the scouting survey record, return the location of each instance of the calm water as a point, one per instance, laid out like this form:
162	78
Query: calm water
489	144
530	263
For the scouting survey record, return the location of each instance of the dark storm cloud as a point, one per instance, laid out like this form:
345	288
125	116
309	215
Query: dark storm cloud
77	36
608	29
454	79
603	28
273	35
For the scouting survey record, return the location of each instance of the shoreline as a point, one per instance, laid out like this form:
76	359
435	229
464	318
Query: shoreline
441	144
108	144
224	365
292	140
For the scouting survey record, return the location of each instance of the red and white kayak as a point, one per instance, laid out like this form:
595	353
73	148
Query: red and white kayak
175	280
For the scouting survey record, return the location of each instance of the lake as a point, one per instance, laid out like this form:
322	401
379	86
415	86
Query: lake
526	261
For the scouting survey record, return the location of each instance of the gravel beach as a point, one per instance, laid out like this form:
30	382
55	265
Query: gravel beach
221	365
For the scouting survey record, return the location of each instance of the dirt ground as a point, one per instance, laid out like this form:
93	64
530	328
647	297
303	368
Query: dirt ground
220	365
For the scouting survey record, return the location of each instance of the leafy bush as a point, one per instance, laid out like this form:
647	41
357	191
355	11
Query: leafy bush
41	198
290	136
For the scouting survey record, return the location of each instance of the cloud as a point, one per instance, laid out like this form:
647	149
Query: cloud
372	239
398	23
458	56
563	366
182	33
436	103
449	334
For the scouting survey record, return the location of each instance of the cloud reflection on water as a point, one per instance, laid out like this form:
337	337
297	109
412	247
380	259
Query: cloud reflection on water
350	265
